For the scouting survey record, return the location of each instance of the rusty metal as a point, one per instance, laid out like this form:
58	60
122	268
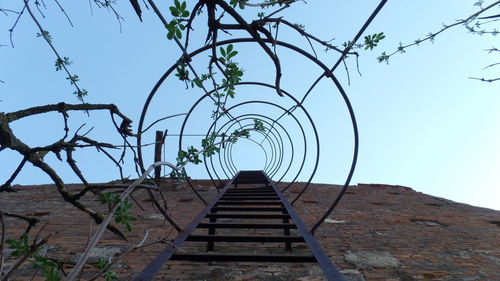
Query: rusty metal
265	201
269	190
158	144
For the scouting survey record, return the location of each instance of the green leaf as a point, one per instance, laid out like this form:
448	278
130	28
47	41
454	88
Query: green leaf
51	273
222	51
174	11
232	54
128	226
170	36
20	247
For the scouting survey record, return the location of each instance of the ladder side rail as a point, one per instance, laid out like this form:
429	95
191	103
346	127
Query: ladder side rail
159	261
330	271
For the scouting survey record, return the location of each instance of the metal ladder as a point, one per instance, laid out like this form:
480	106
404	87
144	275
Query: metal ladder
250	195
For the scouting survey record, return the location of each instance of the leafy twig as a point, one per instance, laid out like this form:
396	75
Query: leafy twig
102	227
80	93
32	249
431	36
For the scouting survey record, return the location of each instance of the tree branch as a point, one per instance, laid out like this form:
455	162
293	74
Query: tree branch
43	33
431	36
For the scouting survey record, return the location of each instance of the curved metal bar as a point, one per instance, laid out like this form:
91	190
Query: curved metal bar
213	124
205	162
261	147
305	54
239	118
300	126
273	144
298	122
228	163
193	54
354	157
292	152
231	145
228	150
291	114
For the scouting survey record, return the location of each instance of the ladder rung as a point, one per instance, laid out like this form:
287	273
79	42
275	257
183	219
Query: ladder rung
247	209
241	194
250	179
247	216
249	198
249	203
249	225
242	238
259	189
204	257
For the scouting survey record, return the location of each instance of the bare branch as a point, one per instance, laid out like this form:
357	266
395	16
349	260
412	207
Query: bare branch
485	80
30	220
6	185
302	32
64	12
491	65
253	32
113	186
11	30
8	139
65	107
161	119
4	11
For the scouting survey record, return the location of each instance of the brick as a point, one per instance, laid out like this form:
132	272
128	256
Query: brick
459	247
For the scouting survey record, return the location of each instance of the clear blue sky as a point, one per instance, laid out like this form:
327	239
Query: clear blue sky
422	122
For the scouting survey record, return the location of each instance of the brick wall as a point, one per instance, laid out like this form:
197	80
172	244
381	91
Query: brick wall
378	232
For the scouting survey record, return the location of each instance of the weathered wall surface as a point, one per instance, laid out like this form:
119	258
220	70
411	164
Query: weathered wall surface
378	232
